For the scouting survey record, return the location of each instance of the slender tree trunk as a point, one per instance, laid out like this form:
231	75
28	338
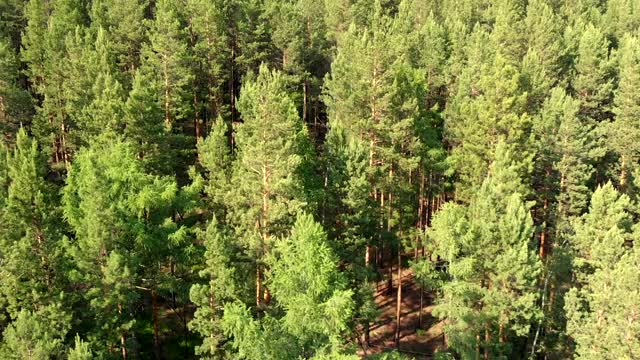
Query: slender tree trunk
399	301
167	112
487	341
156	336
421	308
123	338
623	172
543	235
264	235
197	121
258	286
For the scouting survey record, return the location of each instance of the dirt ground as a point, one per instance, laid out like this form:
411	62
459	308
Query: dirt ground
418	343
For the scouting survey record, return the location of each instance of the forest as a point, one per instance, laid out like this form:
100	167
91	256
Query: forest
319	179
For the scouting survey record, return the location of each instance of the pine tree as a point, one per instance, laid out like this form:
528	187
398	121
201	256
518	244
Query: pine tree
490	294
620	18
299	34
80	351
490	103
36	334
603	234
210	38
144	125
30	235
624	130
599	309
15	103
168	58
602	314
125	26
267	186
123	222
593	81
545	61
312	293
211	296
216	159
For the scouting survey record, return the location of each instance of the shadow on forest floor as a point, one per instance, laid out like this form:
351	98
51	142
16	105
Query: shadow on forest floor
421	344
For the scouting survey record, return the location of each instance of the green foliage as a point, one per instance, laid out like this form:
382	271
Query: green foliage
316	304
210	296
182	148
36	334
492	269
30	247
15	102
81	350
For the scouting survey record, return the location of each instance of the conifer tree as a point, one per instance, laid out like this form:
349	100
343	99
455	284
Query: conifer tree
125	26
216	159
603	235
80	351
210	39
30	235
168	58
602	314
316	304
593	81
599	309
144	124
123	223
490	295
15	102
625	129
36	334
545	61
219	289
267	190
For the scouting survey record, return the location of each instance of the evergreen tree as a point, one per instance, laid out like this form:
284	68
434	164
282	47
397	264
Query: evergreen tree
124	228
144	125
625	129
593	81
30	235
168	58
602	314
211	296
267	191
80	351
545	61
125	26
210	38
490	295
603	235
315	302
15	102
36	334
599	308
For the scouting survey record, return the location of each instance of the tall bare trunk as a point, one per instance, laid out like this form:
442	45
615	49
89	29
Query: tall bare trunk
487	340
399	301
623	172
123	338
156	336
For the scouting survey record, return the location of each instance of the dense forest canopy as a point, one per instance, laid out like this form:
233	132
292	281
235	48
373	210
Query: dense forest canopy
263	179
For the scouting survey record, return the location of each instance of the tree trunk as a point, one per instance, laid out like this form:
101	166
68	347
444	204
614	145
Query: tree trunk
543	235
123	338
487	340
258	286
156	336
399	301
197	122
623	172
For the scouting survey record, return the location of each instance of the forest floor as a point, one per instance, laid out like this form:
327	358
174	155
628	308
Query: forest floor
415	342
